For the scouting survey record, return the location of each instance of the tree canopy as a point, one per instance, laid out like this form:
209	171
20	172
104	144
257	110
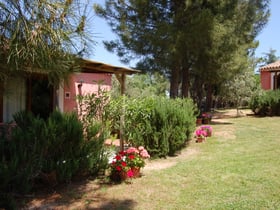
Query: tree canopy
196	44
42	36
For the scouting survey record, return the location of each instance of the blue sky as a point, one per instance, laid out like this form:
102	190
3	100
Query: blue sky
269	38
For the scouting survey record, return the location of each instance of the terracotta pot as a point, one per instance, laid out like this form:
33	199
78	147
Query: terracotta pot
136	172
200	139
209	133
118	176
206	121
198	121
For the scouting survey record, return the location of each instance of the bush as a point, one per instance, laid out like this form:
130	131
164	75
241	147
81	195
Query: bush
161	125
266	103
52	151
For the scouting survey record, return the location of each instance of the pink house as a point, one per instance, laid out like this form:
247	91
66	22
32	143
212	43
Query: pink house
270	76
36	95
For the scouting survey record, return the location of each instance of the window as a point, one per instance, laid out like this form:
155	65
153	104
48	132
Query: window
14	98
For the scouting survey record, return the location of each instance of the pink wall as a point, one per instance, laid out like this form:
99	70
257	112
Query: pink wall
266	80
89	83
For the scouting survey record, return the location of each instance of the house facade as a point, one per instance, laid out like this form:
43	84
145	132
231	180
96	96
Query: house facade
35	94
270	76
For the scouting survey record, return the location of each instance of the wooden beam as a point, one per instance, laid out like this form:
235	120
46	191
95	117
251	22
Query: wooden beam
121	78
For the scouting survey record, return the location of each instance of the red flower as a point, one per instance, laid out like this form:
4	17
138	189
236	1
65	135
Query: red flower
124	164
129	173
122	153
131	157
118	168
118	157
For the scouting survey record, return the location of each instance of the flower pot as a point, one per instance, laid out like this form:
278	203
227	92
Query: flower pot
198	121
200	139
118	176
136	172
205	121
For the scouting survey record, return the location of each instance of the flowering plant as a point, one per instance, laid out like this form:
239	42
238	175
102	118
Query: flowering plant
200	133
136	156
125	161
206	116
207	128
119	164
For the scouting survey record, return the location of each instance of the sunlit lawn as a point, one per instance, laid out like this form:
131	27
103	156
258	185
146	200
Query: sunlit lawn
237	168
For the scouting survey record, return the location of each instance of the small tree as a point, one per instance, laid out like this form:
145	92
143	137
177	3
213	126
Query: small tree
239	89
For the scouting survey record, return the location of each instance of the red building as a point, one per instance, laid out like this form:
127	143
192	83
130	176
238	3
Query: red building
270	76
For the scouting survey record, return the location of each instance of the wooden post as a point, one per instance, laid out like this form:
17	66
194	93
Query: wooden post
121	79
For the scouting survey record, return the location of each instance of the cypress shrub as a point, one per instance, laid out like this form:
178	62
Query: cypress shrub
162	125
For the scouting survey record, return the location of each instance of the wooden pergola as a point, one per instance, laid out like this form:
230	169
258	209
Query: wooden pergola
120	72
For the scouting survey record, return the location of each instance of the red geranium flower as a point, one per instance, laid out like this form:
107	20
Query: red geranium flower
131	157
122	153
118	157
129	173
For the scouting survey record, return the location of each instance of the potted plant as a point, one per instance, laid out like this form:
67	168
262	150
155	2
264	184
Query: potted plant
200	135
208	130
206	118
127	164
120	171
136	159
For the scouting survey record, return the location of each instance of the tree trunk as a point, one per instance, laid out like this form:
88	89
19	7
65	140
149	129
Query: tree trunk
174	82
185	83
208	104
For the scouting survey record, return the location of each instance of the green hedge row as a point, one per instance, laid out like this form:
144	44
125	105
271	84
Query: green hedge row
266	103
162	125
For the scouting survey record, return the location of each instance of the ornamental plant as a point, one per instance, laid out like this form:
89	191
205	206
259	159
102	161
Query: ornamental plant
208	129
206	116
200	133
119	164
125	161
136	157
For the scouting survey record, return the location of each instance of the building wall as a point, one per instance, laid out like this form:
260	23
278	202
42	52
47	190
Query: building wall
266	80
83	83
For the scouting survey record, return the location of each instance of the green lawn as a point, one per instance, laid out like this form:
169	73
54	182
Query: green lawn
237	168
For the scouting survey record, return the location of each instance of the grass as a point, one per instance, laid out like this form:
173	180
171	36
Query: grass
237	168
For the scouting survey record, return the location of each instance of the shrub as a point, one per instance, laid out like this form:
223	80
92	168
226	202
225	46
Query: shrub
55	147
162	125
266	103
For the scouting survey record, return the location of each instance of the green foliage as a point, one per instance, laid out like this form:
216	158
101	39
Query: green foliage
159	124
142	85
37	149
266	103
269	57
42	36
239	89
194	43
22	154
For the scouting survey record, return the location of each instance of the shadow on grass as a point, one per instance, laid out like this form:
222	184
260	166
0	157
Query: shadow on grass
213	122
116	204
79	194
